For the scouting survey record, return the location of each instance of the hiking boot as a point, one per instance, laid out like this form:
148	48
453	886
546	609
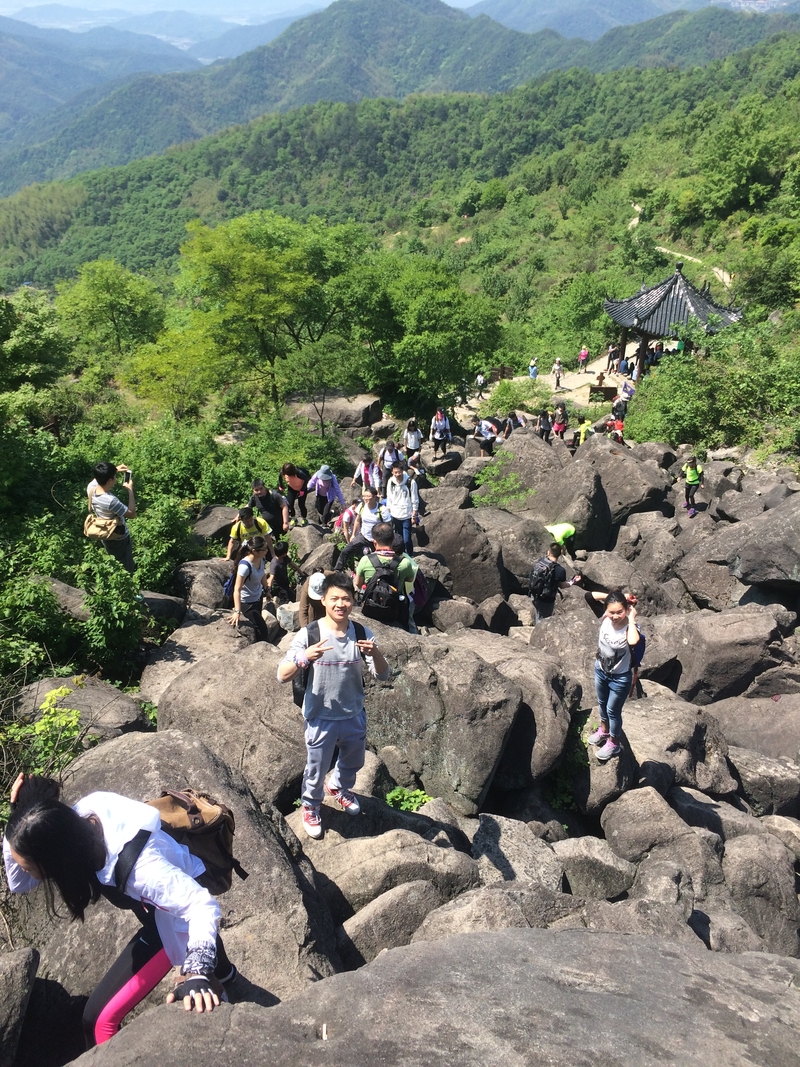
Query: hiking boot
691	513
346	800
312	822
598	737
608	750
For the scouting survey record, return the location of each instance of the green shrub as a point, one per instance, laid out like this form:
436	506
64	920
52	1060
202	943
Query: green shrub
407	799
163	540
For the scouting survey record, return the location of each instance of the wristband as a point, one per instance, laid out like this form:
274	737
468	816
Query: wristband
300	661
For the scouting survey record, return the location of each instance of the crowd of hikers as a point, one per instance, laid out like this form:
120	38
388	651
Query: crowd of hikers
166	859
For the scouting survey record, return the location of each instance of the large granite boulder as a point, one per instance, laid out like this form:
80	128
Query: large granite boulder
759	872
344	412
574	495
448	711
473	557
17	972
521	540
500	906
523	995
533	462
214	523
353	871
592	869
388	921
201	582
629	484
769	725
507	850
198	639
770	786
236	706
674	741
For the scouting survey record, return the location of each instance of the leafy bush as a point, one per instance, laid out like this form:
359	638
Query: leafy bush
407	799
43	744
163	540
508	395
116	616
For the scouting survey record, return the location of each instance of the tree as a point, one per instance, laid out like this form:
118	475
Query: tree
33	350
111	309
423	334
262	287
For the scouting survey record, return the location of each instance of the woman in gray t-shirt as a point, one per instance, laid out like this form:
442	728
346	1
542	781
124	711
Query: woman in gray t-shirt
613	671
251	581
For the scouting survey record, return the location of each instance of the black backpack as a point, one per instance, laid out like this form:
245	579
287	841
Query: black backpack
381	597
302	679
543	585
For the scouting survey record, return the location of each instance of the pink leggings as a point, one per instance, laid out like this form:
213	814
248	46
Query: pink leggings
136	972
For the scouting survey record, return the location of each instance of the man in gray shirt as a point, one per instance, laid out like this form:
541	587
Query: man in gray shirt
333	707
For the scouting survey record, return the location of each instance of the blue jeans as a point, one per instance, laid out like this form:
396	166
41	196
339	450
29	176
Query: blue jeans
612	692
403	527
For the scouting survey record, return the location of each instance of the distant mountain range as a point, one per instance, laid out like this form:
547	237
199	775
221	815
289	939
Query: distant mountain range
351	50
589	19
43	69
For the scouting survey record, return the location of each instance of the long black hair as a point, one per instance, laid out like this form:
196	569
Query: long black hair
253	544
65	847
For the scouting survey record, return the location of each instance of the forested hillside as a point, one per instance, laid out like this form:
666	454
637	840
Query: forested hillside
353	50
398	246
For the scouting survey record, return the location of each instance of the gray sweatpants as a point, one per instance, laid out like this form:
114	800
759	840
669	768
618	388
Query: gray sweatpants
322	737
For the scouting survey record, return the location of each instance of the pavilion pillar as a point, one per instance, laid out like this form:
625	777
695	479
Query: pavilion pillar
623	340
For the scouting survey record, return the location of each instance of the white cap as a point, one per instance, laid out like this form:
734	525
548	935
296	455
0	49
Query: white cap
315	583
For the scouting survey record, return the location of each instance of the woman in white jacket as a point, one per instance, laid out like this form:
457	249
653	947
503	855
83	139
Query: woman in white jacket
402	499
77	849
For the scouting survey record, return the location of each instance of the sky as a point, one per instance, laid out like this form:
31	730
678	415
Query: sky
230	10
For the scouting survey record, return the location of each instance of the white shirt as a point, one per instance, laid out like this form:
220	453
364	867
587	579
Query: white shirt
402	498
163	875
614	642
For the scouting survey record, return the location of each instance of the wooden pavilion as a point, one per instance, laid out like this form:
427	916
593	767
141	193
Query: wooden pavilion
653	312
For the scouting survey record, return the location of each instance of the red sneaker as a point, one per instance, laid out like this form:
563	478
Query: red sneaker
346	800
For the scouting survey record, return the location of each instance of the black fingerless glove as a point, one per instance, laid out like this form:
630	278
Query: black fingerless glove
192	987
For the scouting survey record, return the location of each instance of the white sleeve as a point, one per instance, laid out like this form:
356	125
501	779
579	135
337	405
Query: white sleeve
19	881
414	496
156	881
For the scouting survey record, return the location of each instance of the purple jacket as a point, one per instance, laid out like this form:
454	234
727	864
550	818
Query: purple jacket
333	491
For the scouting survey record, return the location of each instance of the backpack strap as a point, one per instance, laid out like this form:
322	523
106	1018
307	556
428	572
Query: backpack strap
312	637
127	858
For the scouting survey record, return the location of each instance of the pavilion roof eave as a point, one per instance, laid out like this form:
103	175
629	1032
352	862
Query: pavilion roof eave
654	310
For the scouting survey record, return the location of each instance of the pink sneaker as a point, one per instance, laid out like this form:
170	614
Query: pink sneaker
685	504
691	513
346	800
312	823
598	737
608	750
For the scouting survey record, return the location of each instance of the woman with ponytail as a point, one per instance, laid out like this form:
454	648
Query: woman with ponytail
78	852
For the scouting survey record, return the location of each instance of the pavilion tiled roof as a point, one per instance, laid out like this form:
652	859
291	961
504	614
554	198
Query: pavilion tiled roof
653	311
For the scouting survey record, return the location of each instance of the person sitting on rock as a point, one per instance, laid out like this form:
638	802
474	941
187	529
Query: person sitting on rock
440	435
247	526
270	505
333	705
76	851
